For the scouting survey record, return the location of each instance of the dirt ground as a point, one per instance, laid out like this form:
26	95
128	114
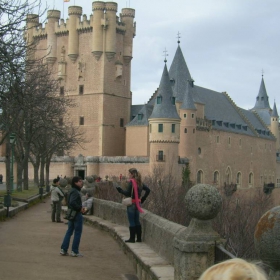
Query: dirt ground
30	246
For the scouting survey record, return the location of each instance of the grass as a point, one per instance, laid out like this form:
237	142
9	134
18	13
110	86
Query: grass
24	194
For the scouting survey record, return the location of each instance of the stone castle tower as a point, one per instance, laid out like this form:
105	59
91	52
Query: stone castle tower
91	58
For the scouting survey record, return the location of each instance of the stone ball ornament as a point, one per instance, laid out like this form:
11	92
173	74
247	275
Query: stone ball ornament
203	202
267	238
63	183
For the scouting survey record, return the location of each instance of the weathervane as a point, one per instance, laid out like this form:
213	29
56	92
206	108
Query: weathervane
165	55
262	72
178	37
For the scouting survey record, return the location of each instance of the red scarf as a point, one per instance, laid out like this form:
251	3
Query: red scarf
135	189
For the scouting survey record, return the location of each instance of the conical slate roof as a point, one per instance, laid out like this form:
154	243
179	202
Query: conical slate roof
262	98
179	74
274	112
165	109
188	103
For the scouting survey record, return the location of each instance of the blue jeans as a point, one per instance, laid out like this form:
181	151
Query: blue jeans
77	226
133	215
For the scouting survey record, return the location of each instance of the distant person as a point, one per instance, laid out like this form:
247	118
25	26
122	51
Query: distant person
87	204
76	225
234	269
56	197
134	190
1	179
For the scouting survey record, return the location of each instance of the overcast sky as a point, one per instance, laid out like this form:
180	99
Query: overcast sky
226	44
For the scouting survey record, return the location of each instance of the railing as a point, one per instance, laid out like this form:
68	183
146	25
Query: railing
221	254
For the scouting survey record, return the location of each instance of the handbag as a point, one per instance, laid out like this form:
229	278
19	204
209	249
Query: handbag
128	200
70	214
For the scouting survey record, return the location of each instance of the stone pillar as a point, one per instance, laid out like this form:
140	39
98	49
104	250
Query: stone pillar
127	17
267	241
53	17
75	13
98	23
111	35
194	248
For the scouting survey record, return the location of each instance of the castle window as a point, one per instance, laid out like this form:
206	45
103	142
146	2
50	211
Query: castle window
160	156
82	121
229	141
173	100
194	130
238	179
60	122
199	151
121	122
159	99
251	178
160	127
150	128
185	116
173	128
240	142
218	139
216	178
278	183
61	92
140	117
81	89
192	116
199	177
186	130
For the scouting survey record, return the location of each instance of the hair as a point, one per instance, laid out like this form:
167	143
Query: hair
75	179
136	175
234	269
55	180
88	194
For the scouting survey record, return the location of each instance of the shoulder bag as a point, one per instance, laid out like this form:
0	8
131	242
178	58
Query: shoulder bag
128	200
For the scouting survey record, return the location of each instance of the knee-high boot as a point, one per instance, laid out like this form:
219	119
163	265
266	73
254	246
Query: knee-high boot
139	233
132	235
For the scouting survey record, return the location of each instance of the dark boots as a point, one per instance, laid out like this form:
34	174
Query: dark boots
132	235
139	233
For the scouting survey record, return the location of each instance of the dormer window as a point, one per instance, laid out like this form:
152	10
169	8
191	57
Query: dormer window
226	124
262	98
159	99
140	117
173	100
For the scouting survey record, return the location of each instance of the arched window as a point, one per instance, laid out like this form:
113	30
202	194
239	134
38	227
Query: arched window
199	177
186	130
238	179
251	179
228	176
216	178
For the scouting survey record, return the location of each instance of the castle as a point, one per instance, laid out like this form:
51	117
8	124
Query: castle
181	123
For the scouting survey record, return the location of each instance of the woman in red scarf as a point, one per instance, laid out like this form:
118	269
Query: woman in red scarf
134	190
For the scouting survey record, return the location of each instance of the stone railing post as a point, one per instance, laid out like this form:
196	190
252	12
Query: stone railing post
194	247
267	241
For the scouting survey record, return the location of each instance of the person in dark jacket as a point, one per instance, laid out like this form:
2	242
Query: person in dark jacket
76	225
134	190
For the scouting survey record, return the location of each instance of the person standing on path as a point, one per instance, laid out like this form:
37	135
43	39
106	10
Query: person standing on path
134	190
56	197
76	225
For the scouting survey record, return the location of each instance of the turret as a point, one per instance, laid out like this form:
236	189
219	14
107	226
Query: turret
32	21
188	122
127	17
164	125
111	10
75	13
53	17
99	22
274	120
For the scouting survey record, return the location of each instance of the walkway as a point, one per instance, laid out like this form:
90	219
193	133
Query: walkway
30	245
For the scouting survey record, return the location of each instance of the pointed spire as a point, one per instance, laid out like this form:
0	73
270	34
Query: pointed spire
274	113
164	107
262	98
180	74
188	103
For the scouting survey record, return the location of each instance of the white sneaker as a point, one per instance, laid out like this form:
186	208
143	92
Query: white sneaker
76	255
63	253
